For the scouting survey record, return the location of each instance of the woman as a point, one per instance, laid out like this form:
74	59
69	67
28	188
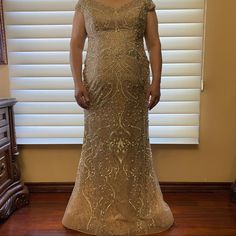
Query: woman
116	190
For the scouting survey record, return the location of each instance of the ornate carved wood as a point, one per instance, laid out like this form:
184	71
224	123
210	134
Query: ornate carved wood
13	193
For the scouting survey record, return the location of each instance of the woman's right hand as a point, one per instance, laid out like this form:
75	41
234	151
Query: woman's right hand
82	96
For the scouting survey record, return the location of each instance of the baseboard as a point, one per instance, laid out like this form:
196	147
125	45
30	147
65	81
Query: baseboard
64	187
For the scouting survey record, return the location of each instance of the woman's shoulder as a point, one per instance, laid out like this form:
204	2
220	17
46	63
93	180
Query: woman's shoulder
80	5
150	4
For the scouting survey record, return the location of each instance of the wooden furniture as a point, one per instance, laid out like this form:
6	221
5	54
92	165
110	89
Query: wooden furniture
233	192
13	193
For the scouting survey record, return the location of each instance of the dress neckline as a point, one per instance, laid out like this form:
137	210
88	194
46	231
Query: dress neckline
115	8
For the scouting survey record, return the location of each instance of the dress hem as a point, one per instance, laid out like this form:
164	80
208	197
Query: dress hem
153	231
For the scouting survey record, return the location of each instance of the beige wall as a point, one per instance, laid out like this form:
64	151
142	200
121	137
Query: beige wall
213	160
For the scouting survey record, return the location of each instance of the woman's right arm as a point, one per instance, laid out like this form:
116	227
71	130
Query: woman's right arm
77	41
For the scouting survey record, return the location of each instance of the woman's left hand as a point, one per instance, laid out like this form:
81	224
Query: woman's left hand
155	92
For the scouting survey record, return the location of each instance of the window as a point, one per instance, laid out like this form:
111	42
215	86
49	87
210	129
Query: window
38	34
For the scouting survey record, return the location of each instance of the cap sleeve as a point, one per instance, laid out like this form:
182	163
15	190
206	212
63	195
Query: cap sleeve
79	5
151	5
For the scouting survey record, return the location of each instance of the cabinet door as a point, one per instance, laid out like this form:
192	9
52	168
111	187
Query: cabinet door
4	126
6	173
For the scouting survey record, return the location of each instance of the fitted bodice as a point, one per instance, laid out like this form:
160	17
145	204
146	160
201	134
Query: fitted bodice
115	31
101	18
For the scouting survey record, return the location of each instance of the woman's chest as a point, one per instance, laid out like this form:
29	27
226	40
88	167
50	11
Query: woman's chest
100	17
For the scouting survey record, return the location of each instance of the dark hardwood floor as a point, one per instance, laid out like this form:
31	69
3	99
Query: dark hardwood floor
196	214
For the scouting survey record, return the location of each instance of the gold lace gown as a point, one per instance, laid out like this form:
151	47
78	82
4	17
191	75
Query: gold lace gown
116	191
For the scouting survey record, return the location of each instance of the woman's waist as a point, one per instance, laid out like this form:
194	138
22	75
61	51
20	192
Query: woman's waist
110	40
116	56
114	49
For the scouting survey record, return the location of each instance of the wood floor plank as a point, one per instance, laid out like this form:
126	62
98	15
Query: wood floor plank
196	214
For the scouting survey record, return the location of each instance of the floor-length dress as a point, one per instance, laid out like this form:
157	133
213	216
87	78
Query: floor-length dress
116	190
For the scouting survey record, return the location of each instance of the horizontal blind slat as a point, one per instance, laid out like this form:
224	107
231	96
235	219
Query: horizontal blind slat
67	5
33	140
172	69
21	83
77	131
174	107
68	95
168	43
65	17
169	56
64	31
78	119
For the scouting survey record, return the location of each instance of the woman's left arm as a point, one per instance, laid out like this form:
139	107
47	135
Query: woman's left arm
153	43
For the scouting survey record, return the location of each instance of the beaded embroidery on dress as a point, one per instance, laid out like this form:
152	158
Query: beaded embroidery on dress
116	190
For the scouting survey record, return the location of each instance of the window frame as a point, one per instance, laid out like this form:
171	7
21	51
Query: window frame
3	43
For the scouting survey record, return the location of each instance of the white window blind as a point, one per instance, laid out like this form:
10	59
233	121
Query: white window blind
38	35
